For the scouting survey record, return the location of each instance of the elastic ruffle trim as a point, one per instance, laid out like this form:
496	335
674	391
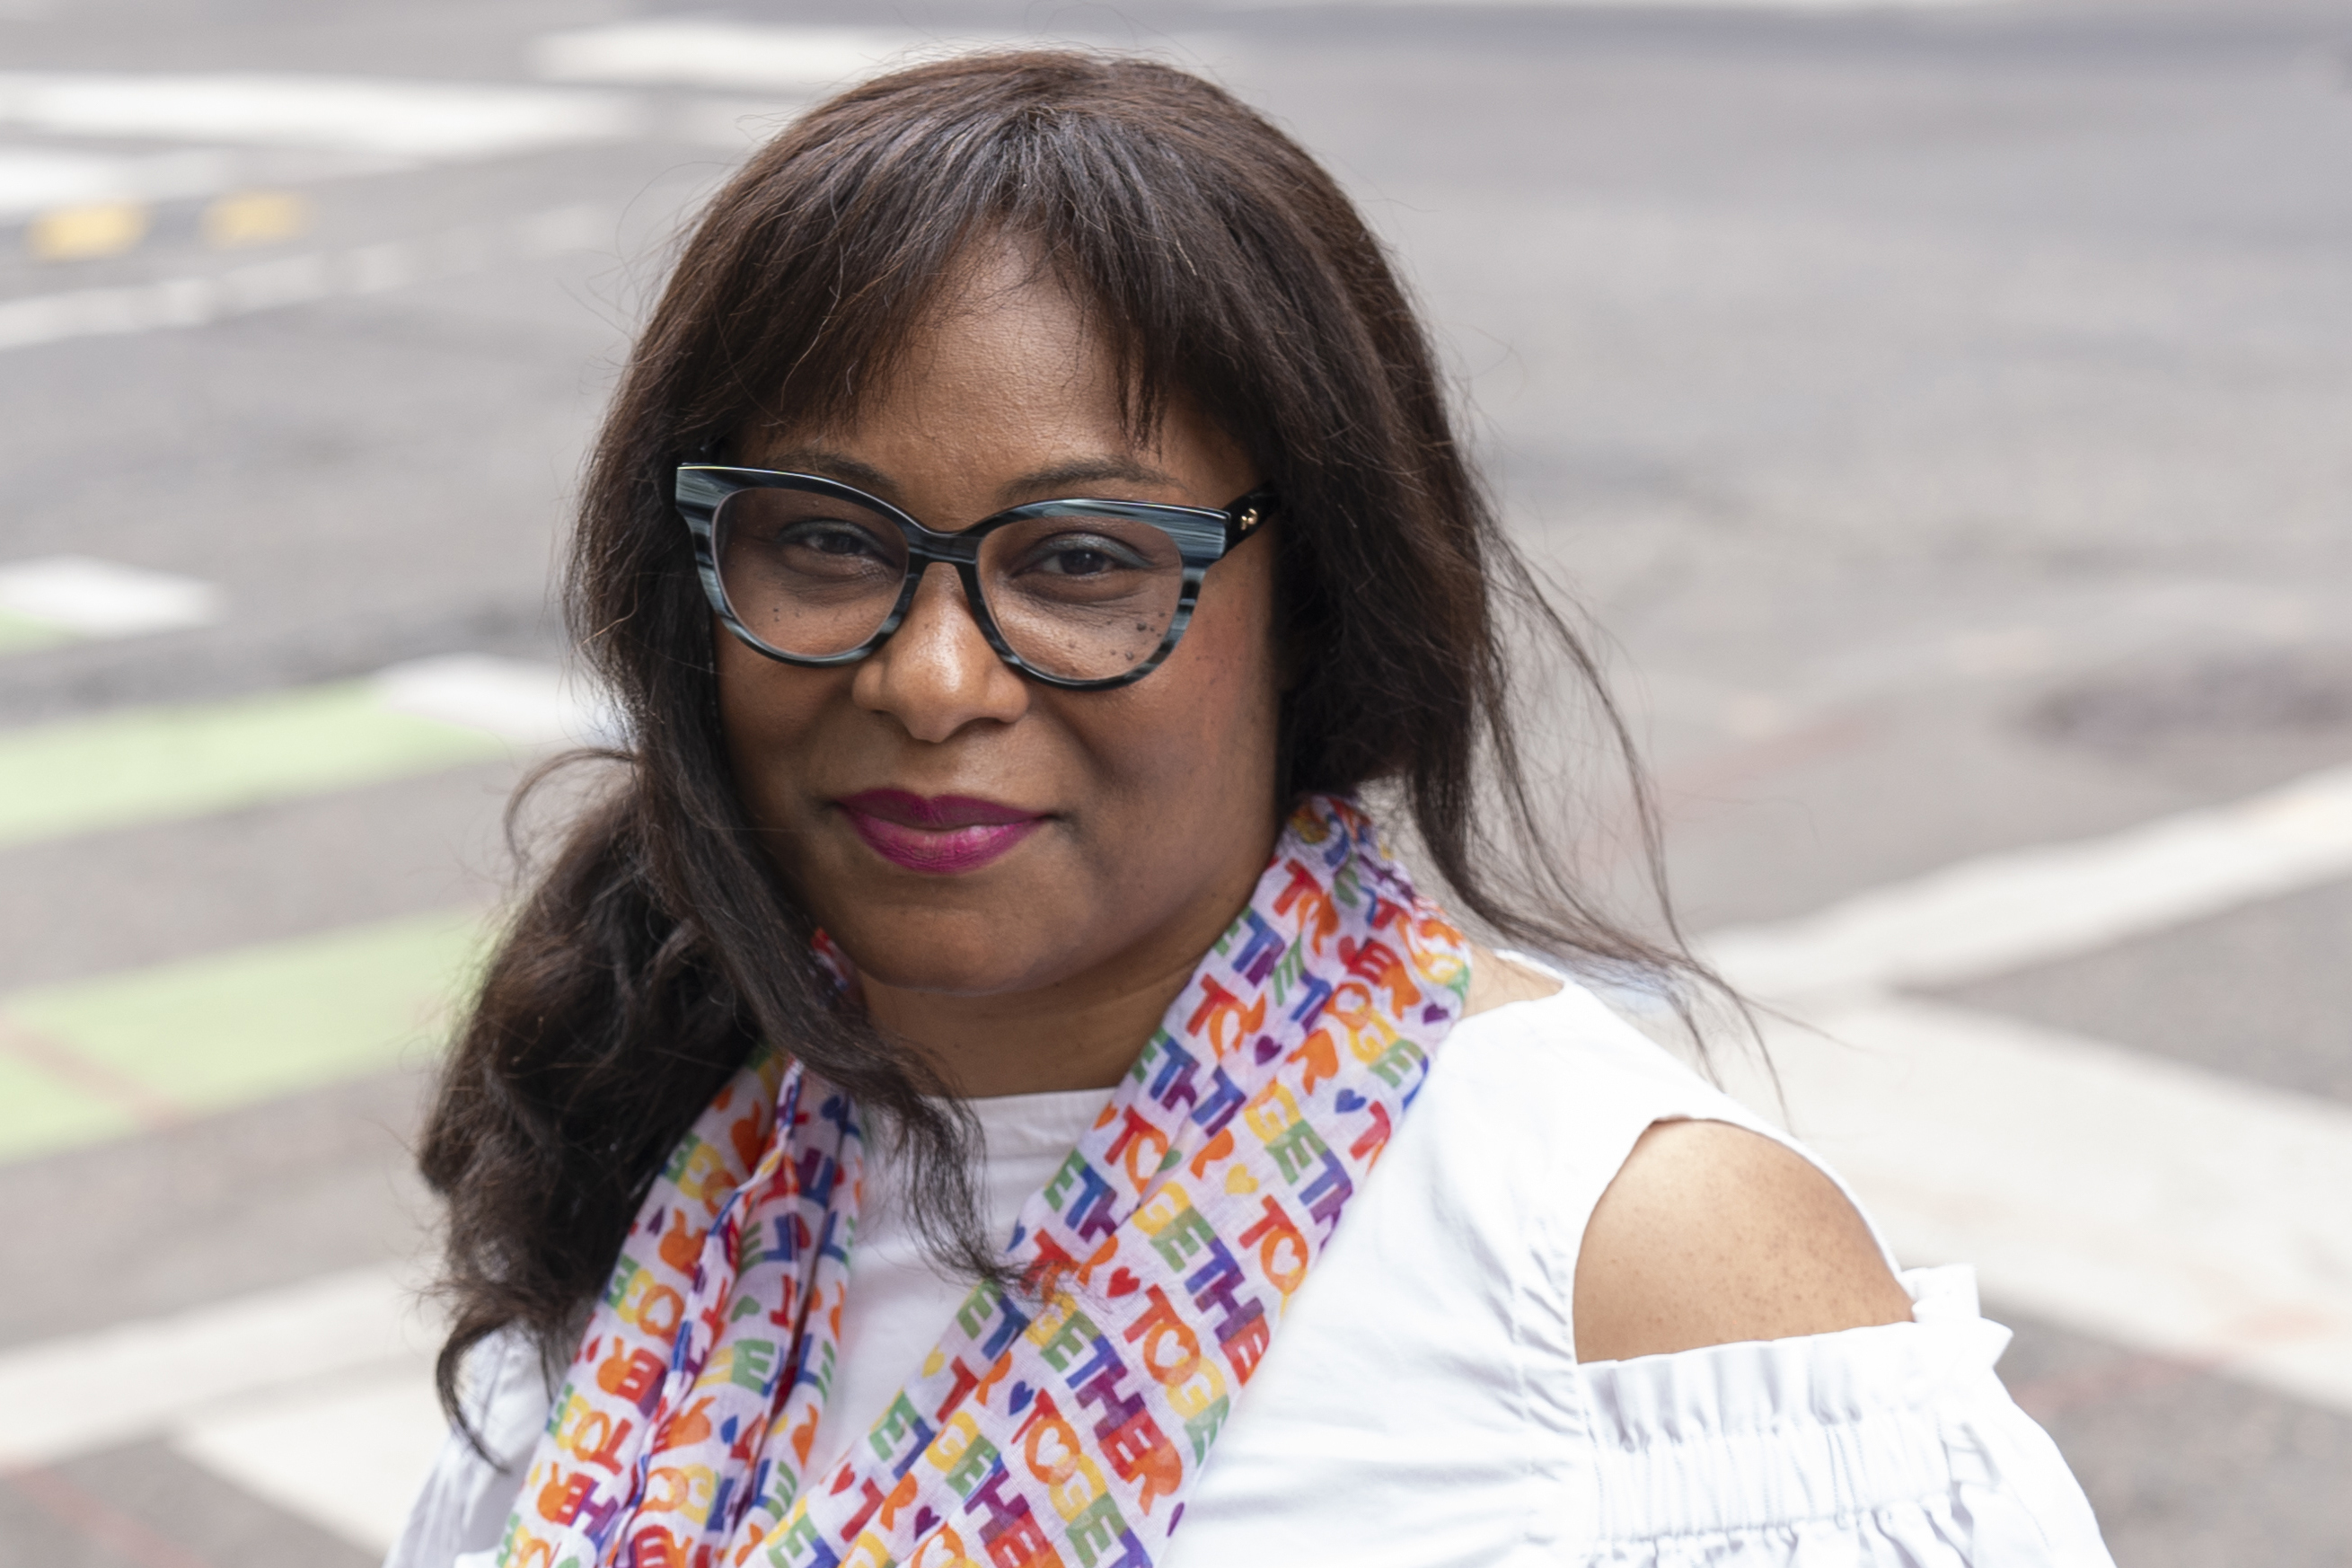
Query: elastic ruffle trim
1889	1445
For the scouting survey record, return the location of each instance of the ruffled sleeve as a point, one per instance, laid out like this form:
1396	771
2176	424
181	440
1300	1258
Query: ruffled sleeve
1893	1446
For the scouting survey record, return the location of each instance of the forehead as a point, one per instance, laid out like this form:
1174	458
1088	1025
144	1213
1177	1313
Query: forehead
1006	343
1008	380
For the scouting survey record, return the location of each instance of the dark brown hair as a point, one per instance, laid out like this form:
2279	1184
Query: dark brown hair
1224	266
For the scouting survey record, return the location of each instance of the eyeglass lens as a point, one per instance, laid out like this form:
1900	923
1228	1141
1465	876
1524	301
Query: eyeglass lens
1078	597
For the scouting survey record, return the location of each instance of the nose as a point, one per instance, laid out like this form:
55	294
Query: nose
937	673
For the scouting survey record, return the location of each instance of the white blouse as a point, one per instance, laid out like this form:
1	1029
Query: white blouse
1421	1404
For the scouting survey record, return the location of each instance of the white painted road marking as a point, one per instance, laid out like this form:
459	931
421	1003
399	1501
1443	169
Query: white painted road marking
2003	911
430	121
2169	1208
296	279
317	1397
347	1453
40	179
2148	1203
119	1385
529	703
102	599
710	53
34	179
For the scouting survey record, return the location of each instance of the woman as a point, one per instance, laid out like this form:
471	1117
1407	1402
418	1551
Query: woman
928	1113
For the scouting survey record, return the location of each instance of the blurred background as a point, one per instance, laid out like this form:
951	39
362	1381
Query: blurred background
1946	406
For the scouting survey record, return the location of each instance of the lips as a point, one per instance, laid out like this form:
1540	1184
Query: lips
941	836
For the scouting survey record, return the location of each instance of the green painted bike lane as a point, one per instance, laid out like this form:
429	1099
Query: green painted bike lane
122	1054
148	764
115	1055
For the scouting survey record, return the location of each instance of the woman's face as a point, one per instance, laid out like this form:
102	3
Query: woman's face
957	828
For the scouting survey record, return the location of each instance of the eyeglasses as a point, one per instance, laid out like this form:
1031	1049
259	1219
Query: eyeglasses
1077	594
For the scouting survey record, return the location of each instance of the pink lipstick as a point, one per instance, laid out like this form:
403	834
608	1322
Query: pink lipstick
942	835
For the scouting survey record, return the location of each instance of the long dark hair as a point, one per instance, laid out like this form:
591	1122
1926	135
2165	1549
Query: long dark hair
1224	266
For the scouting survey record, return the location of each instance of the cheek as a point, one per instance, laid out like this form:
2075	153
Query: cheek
1203	724
1241	657
769	713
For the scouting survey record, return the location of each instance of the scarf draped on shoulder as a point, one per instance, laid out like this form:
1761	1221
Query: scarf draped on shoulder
1064	1422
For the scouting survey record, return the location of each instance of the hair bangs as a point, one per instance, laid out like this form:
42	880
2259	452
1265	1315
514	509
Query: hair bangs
829	253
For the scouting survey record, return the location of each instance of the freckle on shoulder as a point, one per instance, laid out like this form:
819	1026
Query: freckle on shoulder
1711	1235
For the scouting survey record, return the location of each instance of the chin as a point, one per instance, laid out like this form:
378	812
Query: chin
964	952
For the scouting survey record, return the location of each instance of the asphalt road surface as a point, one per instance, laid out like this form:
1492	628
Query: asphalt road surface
1945	409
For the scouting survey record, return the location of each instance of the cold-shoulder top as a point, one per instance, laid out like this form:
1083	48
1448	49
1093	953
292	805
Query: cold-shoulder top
1422	1404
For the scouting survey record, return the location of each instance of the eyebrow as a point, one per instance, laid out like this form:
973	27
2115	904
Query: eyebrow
1058	477
1085	470
827	463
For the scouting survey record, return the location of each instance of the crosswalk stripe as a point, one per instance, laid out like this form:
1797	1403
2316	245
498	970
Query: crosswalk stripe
2002	912
61	596
115	1053
429	122
711	52
528	703
73	1395
347	1453
317	1397
2150	1202
2142	1201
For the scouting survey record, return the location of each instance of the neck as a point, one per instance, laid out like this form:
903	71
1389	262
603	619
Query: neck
1084	1033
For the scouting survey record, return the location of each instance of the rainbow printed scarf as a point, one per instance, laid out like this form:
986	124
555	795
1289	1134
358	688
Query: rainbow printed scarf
1064	1422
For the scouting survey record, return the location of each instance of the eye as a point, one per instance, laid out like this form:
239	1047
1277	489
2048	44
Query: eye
1082	555
827	536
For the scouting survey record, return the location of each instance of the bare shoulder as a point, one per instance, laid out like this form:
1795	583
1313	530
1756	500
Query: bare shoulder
1712	1234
